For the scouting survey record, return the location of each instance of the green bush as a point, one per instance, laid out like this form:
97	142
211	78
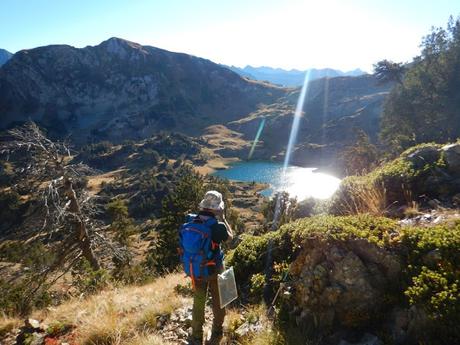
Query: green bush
57	328
125	273
10	211
433	278
438	292
36	256
331	228
20	297
257	285
122	224
269	255
87	280
256	254
430	258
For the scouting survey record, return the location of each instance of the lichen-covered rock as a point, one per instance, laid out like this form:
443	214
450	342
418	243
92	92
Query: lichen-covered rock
340	285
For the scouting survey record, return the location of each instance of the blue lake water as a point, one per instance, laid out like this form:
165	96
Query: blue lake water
297	181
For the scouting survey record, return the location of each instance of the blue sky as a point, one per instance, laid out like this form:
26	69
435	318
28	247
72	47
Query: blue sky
290	34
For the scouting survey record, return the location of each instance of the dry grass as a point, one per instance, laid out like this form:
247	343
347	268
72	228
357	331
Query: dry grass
149	318
266	337
220	137
364	198
269	335
95	182
233	320
412	209
148	339
113	317
254	315
217	163
8	324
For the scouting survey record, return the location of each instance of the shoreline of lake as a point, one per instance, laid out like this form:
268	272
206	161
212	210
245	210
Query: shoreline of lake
298	181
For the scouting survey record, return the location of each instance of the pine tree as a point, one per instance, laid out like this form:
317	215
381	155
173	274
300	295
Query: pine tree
184	199
361	157
425	106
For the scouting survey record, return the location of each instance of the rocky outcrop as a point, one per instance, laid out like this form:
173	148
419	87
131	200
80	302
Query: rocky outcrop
343	284
438	170
122	90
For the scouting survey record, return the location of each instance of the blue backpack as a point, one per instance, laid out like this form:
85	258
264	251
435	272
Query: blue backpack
197	250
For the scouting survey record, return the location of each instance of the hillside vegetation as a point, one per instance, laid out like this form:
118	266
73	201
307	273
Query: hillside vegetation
359	272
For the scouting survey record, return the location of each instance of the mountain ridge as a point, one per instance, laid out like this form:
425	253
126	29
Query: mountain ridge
293	77
121	89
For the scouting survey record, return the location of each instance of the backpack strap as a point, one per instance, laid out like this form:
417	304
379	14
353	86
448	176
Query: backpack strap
210	221
197	219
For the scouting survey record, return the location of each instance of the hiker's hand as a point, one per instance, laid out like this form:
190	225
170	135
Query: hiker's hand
220	213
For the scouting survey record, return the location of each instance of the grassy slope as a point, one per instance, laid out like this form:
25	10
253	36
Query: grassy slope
124	315
137	315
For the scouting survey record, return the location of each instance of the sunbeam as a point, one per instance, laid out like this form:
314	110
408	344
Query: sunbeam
292	140
324	115
256	139
296	120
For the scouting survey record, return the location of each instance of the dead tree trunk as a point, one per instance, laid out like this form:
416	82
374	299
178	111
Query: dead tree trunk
81	233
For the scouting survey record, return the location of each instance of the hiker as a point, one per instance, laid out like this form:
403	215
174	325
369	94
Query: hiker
202	257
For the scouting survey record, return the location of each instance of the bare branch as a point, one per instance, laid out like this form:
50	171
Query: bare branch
63	210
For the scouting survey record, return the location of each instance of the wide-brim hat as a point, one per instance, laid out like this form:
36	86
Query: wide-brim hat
212	201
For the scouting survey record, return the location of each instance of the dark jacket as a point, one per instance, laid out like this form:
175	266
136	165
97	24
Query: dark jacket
219	233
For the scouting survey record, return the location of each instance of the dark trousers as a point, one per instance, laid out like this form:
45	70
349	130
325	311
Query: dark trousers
199	302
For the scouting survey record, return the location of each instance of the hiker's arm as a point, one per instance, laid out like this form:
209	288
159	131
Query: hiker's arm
229	228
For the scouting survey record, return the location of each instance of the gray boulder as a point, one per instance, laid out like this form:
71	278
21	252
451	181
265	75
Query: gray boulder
452	157
424	155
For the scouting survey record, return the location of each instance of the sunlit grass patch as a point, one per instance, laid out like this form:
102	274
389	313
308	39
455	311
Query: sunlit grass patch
118	315
149	318
233	320
148	339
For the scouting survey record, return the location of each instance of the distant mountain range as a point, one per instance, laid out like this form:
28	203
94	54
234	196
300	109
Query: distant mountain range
293	77
5	55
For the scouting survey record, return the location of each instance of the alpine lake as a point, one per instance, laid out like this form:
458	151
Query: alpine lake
299	182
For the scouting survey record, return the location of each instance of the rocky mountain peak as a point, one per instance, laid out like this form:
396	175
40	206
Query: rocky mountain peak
120	47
